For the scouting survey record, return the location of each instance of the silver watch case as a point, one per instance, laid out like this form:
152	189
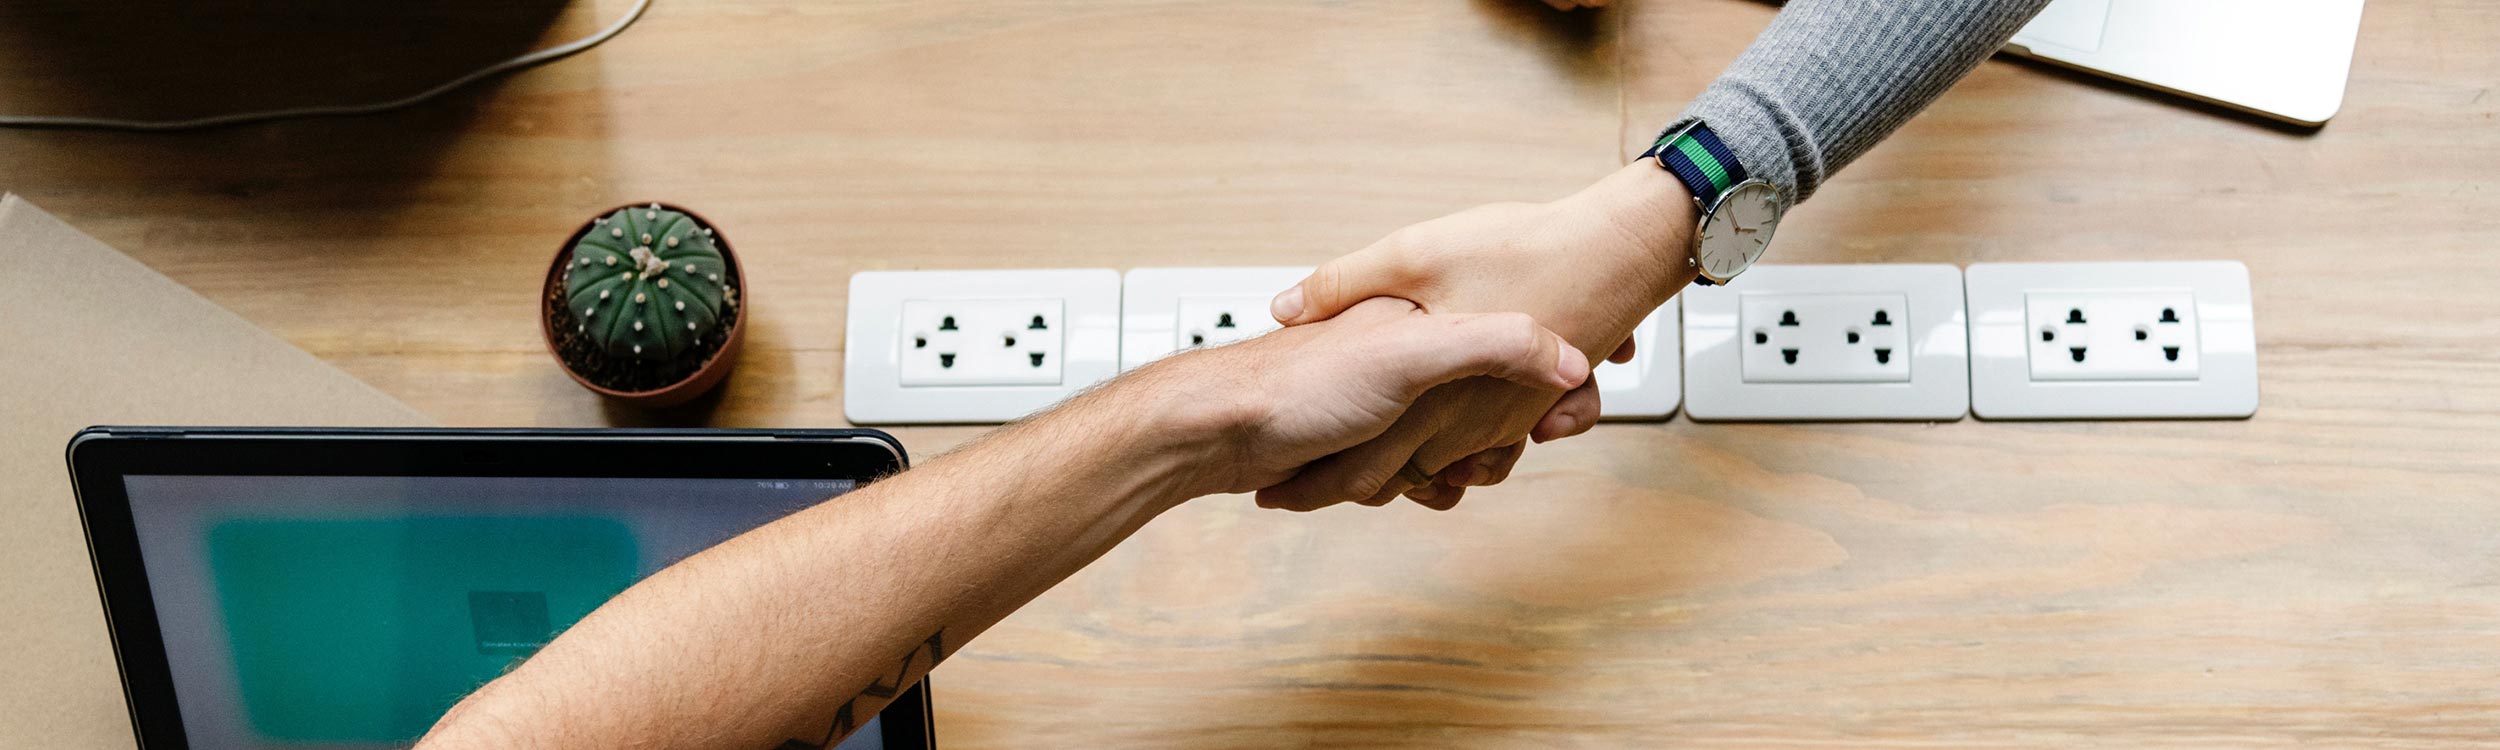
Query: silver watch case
1723	264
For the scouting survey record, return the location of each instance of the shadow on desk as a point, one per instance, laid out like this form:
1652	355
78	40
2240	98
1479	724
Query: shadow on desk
266	184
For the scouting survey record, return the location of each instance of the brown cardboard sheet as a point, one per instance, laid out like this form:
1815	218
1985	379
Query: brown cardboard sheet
89	336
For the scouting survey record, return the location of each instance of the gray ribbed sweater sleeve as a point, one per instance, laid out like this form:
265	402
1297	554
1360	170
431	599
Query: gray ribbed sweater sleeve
1830	78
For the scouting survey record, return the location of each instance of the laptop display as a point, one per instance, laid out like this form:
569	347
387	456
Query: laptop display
353	611
301	609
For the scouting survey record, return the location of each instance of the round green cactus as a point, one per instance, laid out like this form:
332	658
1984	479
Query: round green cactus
646	283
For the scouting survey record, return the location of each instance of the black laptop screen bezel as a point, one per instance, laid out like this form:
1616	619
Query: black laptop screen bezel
99	459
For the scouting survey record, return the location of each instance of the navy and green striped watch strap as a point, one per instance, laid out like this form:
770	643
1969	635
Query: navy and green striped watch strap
1696	157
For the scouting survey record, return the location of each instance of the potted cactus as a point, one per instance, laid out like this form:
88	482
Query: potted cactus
643	305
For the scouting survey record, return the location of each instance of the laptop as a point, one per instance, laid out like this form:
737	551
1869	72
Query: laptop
2284	59
271	588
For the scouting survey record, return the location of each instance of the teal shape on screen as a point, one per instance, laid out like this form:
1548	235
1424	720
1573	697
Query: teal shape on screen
366	631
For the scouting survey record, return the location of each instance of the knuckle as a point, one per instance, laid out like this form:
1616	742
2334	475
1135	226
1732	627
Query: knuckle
1406	240
1498	470
1365	483
1341	283
1325	283
1500	473
1515	334
1410	250
1587	409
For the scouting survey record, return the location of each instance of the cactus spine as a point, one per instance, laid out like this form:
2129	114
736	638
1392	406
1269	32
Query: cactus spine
646	283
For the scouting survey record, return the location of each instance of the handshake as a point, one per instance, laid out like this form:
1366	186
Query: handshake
1419	366
1424	364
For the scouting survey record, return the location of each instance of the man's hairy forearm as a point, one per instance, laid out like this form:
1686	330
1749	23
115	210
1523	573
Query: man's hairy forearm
792	634
800	631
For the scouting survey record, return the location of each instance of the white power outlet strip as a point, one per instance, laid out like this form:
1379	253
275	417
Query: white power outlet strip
1651	385
1818	342
975	347
1165	310
2112	340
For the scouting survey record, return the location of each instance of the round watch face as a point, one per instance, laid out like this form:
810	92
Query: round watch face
1737	230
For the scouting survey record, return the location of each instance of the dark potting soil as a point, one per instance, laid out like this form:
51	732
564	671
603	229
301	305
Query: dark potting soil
628	374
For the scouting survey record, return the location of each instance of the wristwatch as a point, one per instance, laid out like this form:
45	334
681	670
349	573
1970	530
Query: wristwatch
1738	212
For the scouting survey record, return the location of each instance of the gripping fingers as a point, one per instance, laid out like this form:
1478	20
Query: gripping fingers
1444	497
1366	473
1574	414
1389	492
1494	465
1484	468
1413	355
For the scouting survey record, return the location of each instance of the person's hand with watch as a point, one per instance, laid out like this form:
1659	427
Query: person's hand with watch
1825	82
1589	267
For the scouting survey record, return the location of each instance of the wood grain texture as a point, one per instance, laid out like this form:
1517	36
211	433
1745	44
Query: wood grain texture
2325	574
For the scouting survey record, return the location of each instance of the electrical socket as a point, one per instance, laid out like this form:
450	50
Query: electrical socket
1650	386
1019	341
2112	340
2112	335
982	342
1828	342
1165	310
1825	338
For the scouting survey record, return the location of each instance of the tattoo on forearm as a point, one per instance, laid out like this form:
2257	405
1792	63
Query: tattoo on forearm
882	689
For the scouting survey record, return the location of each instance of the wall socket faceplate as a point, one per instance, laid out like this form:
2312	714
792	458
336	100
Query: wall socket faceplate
975	347
1651	385
1165	310
2112	340
1828	342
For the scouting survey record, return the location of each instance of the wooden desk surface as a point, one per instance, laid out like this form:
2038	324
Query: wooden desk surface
2327	573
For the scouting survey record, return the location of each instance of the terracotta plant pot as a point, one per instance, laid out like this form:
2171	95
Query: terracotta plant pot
703	378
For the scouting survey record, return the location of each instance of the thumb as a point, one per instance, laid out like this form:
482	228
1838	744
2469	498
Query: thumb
1436	349
1339	284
